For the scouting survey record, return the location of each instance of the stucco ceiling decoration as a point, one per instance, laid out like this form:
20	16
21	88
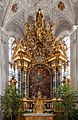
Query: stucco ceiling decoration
28	8
35	1
14	7
61	6
74	1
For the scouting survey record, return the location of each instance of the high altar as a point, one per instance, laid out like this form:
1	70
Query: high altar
39	58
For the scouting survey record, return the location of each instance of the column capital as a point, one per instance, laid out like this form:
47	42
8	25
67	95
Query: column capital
3	35
74	28
73	34
3	30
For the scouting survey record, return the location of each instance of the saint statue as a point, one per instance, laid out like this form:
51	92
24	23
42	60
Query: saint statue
39	16
39	106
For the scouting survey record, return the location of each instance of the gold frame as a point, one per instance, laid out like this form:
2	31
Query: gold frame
28	72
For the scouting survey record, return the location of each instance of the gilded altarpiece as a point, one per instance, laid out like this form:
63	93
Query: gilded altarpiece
39	56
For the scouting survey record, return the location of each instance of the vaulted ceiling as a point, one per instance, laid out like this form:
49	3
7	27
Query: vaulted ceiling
15	13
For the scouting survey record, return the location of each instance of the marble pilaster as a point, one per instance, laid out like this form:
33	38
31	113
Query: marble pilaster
74	57
3	60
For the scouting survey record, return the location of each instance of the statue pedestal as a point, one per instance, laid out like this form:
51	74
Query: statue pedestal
35	116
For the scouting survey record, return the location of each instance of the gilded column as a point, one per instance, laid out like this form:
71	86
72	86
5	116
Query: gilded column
59	77
19	81
54	82
27	85
25	76
22	80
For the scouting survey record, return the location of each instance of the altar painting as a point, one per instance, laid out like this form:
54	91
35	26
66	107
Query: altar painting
39	80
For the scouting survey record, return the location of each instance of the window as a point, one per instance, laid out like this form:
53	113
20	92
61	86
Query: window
11	70
68	72
16	73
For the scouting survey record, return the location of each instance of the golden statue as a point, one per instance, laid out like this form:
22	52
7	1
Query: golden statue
13	83
39	17
39	106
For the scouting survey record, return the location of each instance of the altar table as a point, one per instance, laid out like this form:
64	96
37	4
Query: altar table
34	116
